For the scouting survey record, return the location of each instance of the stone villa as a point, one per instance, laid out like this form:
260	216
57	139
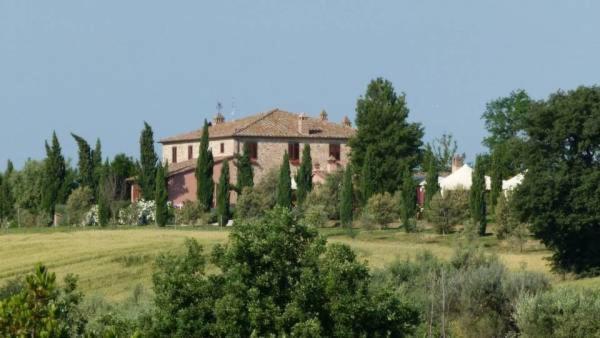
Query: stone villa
268	136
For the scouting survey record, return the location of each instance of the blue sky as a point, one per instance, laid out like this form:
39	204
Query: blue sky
100	68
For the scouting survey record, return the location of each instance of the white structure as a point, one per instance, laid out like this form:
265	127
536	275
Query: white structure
461	178
511	183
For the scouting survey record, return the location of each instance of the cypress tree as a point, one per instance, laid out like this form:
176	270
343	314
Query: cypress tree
432	186
9	168
204	172
477	197
284	184
7	201
161	196
104	193
496	174
54	176
223	212
346	198
409	198
245	177
304	176
85	164
148	163
368	181
97	163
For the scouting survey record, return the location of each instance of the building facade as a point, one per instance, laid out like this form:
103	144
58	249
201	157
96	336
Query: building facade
268	135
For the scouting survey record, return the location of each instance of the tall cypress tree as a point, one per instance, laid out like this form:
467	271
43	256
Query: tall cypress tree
223	210
54	176
304	176
409	198
7	201
245	177
284	184
346	198
97	162
368	180
204	172
161	196
9	168
497	173
431	179
104	193
148	163
477	196
85	164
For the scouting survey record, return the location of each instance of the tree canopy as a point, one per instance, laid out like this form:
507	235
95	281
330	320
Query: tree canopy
382	122
560	194
54	176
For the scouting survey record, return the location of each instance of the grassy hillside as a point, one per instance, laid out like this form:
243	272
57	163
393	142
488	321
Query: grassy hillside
113	262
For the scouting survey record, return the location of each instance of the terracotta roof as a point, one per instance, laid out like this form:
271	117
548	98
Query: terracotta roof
178	167
274	123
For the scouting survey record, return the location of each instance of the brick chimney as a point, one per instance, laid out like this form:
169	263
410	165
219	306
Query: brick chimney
323	115
219	118
346	122
457	162
301	118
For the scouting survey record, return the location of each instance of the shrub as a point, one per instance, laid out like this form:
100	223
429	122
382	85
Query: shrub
565	312
267	188
505	219
448	210
328	194
381	209
78	204
252	203
140	213
190	213
91	217
315	216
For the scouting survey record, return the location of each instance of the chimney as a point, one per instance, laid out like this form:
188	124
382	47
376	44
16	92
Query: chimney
346	122
323	115
219	118
457	162
301	119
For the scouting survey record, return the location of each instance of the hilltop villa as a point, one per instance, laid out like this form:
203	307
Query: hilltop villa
268	136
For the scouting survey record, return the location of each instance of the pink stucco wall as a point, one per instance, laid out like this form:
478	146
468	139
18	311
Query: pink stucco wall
182	185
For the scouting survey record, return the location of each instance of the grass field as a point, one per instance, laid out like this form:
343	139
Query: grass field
113	262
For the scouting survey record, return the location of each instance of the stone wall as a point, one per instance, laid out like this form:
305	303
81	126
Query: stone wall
182	149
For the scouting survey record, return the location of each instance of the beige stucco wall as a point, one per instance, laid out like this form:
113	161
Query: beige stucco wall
182	149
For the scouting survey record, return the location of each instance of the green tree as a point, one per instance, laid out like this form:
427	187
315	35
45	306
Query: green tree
41	309
6	199
105	194
304	176
85	164
122	167
347	198
204	172
443	149
284	184
97	161
477	202
161	196
245	177
559	196
432	186
368	181
382	122
409	198
9	168
446	211
27	185
148	163
54	176
505	118
223	209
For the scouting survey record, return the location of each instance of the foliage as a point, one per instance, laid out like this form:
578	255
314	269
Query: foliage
506	220
368	180
252	204
7	208
161	196
276	278
477	203
505	118
245	176
140	213
148	163
381	209
347	198
27	185
443	150
105	193
560	194
78	204
382	121
304	176
315	216
223	208
54	176
328	194
431	179
446	211
189	213
85	165
284	184
122	167
41	309
204	172
564	312
92	216
409	199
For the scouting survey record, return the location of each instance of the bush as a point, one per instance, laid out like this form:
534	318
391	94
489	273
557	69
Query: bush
315	216
328	195
190	213
78	204
91	217
565	312
140	213
267	188
381	209
448	210
252	203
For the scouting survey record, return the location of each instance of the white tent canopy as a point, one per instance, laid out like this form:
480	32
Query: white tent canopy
461	179
512	183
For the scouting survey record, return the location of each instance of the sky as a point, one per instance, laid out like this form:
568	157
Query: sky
101	68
